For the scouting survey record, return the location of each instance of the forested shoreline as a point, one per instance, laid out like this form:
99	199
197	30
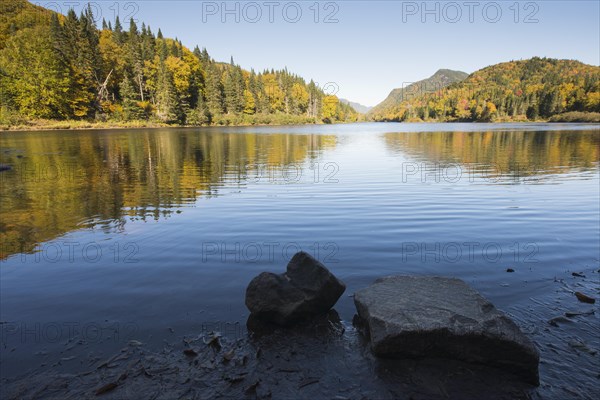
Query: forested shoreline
70	72
64	68
537	89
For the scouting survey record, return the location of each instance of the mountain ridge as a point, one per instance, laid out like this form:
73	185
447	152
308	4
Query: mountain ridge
521	90
360	108
440	79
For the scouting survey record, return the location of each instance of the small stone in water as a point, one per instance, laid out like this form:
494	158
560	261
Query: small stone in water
576	314
554	321
106	388
579	345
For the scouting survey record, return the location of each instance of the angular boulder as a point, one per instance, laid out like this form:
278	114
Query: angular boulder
419	317
305	290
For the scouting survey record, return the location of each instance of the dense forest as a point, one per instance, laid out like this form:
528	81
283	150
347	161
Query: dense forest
66	68
538	88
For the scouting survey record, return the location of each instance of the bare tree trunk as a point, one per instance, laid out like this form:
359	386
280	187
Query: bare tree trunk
140	81
102	90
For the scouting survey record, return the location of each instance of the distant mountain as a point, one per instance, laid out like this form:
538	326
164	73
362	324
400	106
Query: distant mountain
356	106
437	81
534	89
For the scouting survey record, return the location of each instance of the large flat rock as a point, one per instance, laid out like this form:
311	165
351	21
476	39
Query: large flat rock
414	316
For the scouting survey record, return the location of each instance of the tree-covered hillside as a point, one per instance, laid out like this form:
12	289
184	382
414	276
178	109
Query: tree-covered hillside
386	109
539	88
65	67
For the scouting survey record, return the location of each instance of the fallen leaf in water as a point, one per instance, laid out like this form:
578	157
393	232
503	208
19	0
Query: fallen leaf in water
106	388
252	388
584	298
576	314
307	382
235	379
190	352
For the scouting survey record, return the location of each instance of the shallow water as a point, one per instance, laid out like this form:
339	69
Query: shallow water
109	236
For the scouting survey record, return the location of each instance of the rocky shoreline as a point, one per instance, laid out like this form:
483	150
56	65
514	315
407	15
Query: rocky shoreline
326	359
321	356
402	316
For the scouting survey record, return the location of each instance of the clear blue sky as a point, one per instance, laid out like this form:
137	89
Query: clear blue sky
374	46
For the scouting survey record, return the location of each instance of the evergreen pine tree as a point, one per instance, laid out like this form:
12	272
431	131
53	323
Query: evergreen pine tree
214	90
118	34
168	108
131	110
200	115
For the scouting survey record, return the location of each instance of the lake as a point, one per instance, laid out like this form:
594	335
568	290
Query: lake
144	234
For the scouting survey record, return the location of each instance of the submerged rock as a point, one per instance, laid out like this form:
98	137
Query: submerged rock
411	316
305	290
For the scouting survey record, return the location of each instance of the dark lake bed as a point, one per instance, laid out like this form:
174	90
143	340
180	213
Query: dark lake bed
139	239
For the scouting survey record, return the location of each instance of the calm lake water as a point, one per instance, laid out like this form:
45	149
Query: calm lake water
109	236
